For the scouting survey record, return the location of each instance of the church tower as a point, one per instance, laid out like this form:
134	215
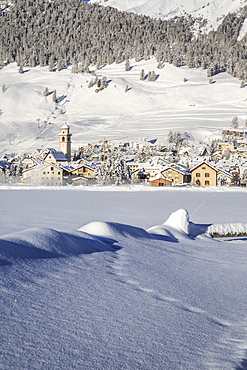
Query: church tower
65	141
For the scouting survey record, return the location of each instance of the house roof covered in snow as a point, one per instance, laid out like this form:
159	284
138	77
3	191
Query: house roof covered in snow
206	163
159	176
4	165
181	169
58	156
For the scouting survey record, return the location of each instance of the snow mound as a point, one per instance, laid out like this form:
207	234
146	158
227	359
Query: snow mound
179	220
114	230
47	243
178	226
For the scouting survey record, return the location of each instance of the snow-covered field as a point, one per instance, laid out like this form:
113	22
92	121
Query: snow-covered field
29	120
89	281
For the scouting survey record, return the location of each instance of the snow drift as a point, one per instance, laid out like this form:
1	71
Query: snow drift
114	230
39	243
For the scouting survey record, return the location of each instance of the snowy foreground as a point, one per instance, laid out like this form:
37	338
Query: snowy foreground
122	279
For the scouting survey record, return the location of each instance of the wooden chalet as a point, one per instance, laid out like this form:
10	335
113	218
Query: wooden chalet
160	180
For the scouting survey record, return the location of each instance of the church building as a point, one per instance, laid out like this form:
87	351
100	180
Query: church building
65	141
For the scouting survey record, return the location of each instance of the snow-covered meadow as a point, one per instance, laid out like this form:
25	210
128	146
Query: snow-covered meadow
122	278
29	120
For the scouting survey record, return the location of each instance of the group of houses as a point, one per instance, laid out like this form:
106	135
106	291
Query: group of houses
51	167
174	174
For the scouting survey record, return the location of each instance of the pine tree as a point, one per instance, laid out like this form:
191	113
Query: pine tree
244	177
127	65
60	64
234	123
142	75
54	96
170	137
51	63
153	76
104	83
46	92
74	68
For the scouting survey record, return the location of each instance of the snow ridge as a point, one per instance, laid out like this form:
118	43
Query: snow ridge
38	243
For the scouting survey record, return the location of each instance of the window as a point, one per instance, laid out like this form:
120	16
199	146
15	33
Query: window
206	182
52	169
44	173
203	168
58	173
63	138
161	184
198	174
206	174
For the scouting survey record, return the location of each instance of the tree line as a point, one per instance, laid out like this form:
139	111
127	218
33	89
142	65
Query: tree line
58	33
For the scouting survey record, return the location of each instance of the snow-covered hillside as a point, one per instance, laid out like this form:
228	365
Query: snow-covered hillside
87	281
211	10
29	120
128	107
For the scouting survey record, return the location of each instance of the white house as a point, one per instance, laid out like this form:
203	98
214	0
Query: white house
45	174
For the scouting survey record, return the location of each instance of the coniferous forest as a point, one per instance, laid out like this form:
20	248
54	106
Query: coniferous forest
61	33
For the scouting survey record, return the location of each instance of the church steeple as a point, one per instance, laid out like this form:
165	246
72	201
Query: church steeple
65	141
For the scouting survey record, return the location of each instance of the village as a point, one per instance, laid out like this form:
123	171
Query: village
179	162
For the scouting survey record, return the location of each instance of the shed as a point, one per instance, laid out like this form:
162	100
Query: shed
160	180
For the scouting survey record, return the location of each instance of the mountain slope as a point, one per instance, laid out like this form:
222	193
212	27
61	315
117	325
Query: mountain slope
128	106
149	109
212	10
